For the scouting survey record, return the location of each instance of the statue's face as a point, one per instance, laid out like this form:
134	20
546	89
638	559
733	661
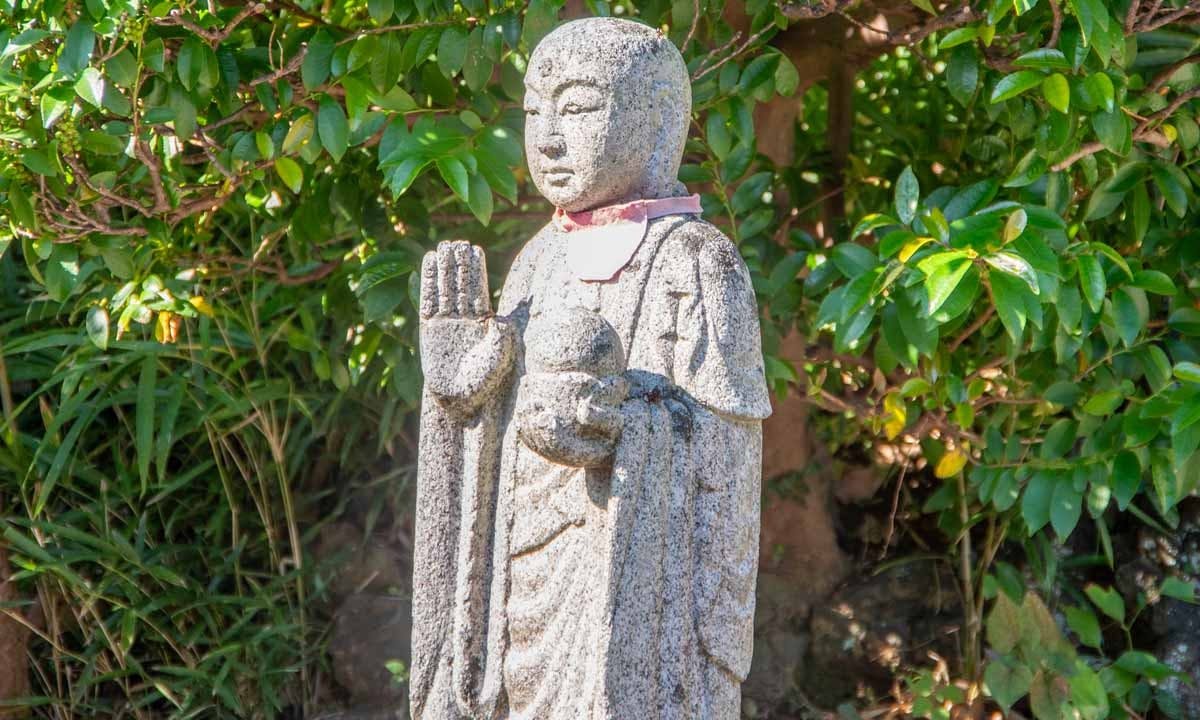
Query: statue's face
585	145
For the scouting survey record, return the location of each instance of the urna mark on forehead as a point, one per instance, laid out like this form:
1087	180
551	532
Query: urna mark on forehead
600	52
549	76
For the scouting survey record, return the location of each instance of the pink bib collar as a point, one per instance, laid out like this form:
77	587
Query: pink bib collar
601	242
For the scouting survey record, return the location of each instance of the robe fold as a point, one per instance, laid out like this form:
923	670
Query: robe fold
616	593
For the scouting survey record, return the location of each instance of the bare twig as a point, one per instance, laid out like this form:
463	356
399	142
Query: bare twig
1165	74
214	36
1153	23
1056	28
1131	16
741	49
820	9
695	23
961	16
470	22
974	328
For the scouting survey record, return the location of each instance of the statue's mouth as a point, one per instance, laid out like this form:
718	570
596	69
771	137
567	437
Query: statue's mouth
557	177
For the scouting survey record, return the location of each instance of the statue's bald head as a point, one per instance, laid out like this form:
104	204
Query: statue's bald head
608	105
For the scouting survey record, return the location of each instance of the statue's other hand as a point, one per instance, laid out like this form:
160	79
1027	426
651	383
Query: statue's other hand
466	351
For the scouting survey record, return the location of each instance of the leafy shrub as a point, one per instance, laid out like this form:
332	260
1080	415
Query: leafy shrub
213	215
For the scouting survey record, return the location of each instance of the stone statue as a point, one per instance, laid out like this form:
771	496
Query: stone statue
590	453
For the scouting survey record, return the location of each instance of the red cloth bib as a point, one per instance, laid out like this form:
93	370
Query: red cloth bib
601	242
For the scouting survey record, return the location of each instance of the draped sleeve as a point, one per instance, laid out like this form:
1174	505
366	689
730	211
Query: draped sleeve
718	364
718	354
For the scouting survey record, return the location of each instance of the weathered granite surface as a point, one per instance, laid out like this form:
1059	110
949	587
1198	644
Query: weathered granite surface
590	453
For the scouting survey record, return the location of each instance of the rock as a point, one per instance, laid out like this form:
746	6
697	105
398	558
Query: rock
14	637
780	643
876	625
360	564
398	713
369	631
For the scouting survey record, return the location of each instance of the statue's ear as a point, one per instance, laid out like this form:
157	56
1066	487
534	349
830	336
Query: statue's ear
671	122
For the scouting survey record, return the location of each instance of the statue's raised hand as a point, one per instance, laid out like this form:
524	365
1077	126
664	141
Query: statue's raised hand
466	351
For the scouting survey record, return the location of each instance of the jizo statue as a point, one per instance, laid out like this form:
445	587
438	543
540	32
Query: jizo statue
590	454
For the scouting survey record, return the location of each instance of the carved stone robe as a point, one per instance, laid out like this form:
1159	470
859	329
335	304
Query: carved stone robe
616	593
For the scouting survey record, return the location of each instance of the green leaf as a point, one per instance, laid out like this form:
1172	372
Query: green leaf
1088	694
144	418
54	104
1014	84
1059	439
452	50
1154	281
22	208
388	62
1043	59
1126	478
314	70
290	173
332	127
77	51
787	78
1173	184
454	173
1188	372
477	68
1037	499
1179	589
853	260
1065	507
1185	320
62	271
1057	92
1115	130
872	222
1108	600
959	36
1007	683
480	200
1098	92
381	10
298	134
1008	294
1092	281
1131	312
943	278
1016	266
1084	624
1004	624
90	87
97	326
1104	403
1031	167
962	74
908	193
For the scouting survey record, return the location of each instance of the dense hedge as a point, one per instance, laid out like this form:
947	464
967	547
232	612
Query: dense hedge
212	217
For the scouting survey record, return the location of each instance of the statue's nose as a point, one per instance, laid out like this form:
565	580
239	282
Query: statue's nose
553	146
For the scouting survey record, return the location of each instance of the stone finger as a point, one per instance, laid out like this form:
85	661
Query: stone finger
429	285
480	297
462	271
447	282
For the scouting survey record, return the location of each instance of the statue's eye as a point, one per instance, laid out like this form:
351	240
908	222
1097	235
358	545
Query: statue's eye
574	108
531	111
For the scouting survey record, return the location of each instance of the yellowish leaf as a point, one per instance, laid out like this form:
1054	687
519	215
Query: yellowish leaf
951	463
202	306
912	246
895	415
166	327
